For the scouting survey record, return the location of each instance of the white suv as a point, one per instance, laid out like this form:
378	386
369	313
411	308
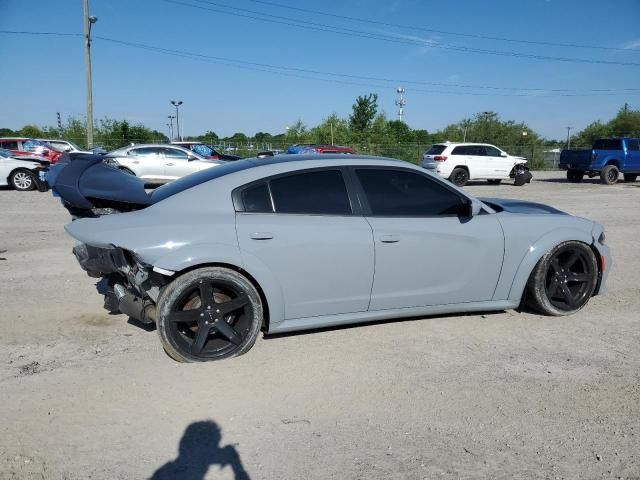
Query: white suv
461	162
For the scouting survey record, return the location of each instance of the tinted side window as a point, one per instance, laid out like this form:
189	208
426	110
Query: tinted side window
462	150
317	193
492	151
633	145
401	193
9	145
478	150
436	149
608	144
256	199
145	151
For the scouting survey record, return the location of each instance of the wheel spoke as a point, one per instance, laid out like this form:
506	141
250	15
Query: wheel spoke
206	294
228	332
556	265
552	288
185	315
573	259
578	277
232	305
201	338
568	296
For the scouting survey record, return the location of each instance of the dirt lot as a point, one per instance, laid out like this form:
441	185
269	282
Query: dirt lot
502	395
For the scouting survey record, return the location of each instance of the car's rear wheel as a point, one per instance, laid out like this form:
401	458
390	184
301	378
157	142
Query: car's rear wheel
22	180
563	280
609	175
630	177
209	314
495	181
459	177
575	176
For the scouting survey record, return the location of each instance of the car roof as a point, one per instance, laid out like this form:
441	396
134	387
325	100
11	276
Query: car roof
456	144
147	145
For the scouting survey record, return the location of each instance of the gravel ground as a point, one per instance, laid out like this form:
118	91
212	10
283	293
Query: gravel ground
503	395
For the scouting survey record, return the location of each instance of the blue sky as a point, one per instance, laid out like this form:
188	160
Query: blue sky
47	73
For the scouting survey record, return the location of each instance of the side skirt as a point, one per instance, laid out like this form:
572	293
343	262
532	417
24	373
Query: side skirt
360	317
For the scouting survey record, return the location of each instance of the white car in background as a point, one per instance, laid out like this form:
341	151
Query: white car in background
21	174
158	163
461	162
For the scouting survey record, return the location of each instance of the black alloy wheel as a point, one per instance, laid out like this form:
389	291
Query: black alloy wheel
609	175
211	315
564	280
459	177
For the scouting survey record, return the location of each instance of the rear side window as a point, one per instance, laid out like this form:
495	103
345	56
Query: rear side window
436	149
401	193
608	144
9	145
256	199
316	193
462	150
633	145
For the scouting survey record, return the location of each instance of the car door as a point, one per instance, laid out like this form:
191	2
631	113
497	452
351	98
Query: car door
633	156
499	166
146	162
302	228
463	155
177	163
426	253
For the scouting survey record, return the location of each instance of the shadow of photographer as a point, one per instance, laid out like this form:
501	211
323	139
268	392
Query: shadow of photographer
199	450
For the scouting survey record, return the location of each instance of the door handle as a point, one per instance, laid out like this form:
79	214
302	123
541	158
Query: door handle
261	235
389	239
169	164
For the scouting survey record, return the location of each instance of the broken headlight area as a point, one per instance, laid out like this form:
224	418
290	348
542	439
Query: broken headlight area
129	285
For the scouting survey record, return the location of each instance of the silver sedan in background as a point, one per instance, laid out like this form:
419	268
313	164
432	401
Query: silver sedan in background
158	163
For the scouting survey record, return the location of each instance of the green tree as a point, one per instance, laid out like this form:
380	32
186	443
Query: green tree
591	133
364	112
31	131
626	123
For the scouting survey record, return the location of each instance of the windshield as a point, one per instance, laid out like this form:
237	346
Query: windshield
203	150
5	153
197	178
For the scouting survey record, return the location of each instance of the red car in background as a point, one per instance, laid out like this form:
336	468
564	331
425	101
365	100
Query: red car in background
29	146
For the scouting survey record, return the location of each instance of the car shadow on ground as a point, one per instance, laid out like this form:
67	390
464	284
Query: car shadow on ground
198	451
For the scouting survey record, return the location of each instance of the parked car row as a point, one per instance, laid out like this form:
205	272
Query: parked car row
21	172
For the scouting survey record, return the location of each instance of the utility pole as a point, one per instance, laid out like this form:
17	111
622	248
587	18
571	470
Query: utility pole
59	125
171	117
569	137
177	105
88	22
401	102
626	107
331	125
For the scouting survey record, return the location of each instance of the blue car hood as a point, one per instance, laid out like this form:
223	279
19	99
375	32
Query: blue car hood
520	206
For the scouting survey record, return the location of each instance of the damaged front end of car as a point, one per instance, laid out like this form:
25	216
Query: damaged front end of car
129	286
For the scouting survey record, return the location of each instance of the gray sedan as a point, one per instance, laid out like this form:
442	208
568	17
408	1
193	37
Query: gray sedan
299	242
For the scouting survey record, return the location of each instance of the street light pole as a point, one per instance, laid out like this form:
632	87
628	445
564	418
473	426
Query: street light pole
88	22
171	117
177	105
569	137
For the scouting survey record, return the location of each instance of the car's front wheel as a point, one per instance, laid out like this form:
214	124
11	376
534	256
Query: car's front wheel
459	177
209	314
563	280
22	180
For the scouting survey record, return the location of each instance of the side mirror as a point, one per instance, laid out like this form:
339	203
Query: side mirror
504	155
192	157
66	148
470	207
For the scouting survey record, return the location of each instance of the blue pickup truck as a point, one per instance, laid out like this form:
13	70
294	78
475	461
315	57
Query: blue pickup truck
607	158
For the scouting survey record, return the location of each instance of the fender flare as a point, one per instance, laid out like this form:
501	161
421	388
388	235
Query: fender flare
208	253
535	252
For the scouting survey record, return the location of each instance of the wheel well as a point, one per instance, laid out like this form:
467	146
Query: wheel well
613	162
464	167
253	281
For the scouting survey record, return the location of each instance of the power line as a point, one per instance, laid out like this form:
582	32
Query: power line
278	69
307	25
441	32
285	70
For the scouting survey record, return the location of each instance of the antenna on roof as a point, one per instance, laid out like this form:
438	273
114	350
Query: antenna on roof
401	102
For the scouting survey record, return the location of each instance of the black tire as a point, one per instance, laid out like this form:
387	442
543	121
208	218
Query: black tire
126	170
231	318
563	280
459	177
494	181
630	177
23	180
575	176
609	175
